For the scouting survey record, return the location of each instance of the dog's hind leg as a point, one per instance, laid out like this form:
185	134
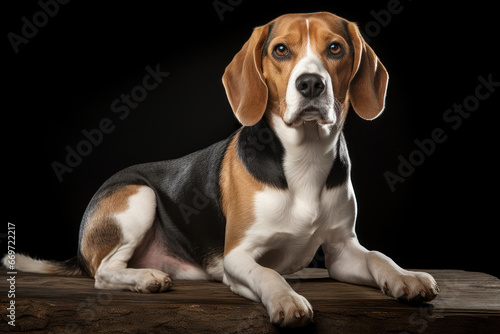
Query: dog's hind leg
115	224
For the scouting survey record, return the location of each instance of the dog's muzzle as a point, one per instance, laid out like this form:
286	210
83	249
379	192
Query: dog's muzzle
311	86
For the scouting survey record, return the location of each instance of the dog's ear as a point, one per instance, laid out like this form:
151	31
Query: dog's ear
244	81
368	84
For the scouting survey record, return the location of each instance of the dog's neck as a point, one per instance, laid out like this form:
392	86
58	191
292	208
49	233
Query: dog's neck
290	157
310	135
310	150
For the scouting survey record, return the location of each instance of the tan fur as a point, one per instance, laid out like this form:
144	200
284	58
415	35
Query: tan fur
101	234
368	85
245	87
276	72
238	188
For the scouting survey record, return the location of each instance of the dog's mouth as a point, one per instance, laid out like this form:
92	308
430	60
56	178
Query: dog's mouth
310	114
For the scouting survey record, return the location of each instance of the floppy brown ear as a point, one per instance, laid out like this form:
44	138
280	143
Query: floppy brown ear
244	81
369	78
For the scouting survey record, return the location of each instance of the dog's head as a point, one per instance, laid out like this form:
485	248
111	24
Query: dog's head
305	67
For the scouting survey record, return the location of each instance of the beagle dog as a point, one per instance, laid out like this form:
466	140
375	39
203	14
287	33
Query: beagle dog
260	203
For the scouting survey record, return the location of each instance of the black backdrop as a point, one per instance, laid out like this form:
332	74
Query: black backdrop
77	62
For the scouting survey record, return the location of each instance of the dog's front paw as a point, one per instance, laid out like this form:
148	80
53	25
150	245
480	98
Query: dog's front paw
411	286
289	309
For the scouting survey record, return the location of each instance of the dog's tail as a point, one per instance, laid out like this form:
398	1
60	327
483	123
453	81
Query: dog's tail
71	267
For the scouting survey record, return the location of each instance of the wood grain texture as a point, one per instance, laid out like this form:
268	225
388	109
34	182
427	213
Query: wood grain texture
469	303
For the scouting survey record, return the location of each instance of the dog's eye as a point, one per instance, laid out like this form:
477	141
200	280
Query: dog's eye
335	48
281	50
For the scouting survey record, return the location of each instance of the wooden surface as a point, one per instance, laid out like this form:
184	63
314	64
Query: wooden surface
469	303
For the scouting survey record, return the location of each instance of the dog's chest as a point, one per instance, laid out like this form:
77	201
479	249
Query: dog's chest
288	228
290	224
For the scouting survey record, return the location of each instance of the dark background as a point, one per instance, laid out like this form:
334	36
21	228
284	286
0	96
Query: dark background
65	78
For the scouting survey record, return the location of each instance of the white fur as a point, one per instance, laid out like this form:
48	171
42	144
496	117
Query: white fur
28	264
215	268
310	63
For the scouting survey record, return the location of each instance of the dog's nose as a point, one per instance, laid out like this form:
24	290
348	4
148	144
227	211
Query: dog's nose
310	85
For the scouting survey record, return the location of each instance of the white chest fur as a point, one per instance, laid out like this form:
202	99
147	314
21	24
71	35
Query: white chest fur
291	224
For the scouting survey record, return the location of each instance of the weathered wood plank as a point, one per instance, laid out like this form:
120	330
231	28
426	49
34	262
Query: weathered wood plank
469	303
